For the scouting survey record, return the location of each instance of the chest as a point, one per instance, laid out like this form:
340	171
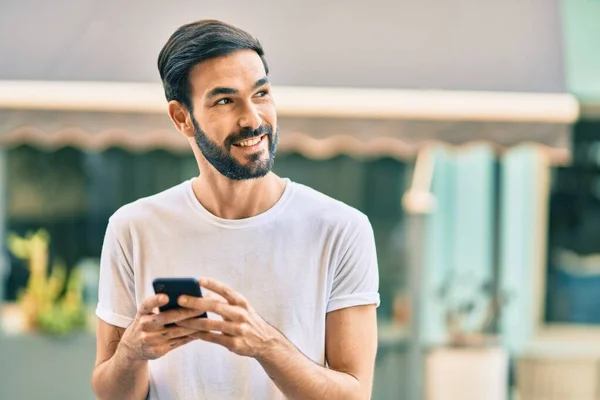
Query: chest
285	274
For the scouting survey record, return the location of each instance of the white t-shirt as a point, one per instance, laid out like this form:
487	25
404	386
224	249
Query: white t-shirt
304	257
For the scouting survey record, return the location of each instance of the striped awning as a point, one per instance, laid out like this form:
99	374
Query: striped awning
315	122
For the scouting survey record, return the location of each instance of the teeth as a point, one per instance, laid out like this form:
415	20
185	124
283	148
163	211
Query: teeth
249	142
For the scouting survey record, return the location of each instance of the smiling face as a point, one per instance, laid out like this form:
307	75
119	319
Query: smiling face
233	115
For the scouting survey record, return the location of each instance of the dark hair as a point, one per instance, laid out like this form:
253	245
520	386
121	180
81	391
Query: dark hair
194	43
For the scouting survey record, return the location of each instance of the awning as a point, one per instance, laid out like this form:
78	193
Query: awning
315	122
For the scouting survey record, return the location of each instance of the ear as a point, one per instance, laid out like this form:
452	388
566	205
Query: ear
181	118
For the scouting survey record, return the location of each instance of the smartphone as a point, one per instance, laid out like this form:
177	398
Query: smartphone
175	287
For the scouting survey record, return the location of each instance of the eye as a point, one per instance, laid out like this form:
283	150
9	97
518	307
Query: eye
262	93
223	101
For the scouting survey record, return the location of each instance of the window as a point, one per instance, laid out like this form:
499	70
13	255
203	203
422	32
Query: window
573	274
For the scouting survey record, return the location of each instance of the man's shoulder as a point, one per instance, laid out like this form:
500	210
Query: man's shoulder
159	205
319	206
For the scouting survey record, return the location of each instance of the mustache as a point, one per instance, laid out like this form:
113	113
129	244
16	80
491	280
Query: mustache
248	133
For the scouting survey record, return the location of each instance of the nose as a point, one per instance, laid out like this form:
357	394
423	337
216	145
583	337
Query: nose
249	117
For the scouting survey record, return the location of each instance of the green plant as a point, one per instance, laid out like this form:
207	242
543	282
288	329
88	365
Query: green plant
45	309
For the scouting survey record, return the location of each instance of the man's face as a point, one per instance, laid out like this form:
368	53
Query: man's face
234	116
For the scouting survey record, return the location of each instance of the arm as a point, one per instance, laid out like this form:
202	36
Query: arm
351	328
350	331
350	349
115	375
122	355
350	345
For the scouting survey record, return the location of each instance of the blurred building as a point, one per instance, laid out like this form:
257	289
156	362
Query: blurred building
455	126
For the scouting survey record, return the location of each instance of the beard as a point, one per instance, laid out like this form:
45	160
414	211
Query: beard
221	158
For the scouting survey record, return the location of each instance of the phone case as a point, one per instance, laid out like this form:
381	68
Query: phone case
175	287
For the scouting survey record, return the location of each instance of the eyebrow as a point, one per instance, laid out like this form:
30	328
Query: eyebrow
261	82
225	90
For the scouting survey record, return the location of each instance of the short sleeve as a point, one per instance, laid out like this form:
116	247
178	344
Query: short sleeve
356	277
116	291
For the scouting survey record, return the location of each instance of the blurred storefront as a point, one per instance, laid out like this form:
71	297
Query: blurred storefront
73	156
490	179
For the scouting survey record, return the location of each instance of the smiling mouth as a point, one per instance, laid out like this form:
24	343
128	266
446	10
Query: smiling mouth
250	142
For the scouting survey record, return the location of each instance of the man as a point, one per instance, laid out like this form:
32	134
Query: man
293	272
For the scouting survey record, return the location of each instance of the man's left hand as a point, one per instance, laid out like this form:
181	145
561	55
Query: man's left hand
242	330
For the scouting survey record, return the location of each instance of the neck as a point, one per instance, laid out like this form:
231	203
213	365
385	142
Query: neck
229	199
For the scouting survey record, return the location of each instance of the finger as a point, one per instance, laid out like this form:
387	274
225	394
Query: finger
208	325
227	311
176	332
165	335
153	302
225	341
228	293
175	343
156	322
179	314
208	295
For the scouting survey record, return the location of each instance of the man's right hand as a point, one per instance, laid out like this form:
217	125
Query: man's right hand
147	338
